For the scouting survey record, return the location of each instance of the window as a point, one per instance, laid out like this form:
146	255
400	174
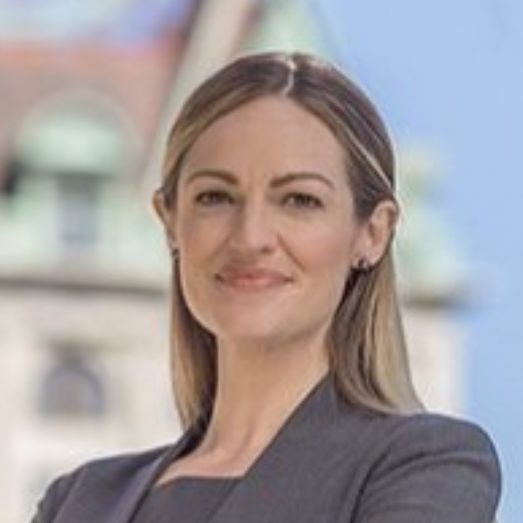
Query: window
71	388
78	201
9	178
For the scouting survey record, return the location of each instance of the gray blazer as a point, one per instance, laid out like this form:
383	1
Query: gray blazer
329	463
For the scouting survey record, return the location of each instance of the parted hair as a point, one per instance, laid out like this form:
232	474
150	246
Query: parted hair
366	345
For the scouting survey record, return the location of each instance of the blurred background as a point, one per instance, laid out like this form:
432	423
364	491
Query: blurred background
88	91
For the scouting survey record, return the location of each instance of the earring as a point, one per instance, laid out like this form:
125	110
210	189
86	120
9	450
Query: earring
362	265
174	253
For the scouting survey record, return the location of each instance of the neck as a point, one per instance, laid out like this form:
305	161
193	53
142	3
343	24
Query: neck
258	388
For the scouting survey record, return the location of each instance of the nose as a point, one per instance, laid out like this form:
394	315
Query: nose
253	230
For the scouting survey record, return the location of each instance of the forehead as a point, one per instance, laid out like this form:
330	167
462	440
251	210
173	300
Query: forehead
271	134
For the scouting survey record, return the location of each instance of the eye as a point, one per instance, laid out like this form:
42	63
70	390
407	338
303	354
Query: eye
303	200
211	198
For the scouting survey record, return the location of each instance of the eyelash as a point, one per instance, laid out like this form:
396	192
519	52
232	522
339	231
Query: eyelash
300	199
304	200
204	197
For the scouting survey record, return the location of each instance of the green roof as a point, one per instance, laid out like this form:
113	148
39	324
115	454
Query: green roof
72	143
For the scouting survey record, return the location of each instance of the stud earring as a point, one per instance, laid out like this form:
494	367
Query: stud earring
362	265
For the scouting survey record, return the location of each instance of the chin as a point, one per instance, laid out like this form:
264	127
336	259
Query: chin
250	333
268	335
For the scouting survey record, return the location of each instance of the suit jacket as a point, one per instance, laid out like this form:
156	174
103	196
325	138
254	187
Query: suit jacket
329	463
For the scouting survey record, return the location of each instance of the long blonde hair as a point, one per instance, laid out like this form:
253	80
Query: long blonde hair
367	353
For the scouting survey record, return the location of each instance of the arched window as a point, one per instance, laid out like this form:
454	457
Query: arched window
75	149
71	387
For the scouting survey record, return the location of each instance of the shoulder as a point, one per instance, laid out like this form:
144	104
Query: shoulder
379	434
106	473
436	464
437	432
454	446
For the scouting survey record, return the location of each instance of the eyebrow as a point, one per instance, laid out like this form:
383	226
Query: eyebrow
228	177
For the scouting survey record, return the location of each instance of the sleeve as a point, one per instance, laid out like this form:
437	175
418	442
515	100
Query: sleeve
434	470
53	498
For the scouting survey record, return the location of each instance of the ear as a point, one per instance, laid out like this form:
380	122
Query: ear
166	216
377	232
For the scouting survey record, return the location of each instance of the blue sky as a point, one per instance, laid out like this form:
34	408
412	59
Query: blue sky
450	75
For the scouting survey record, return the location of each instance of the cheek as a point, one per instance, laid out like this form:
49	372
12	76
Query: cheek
326	263
199	241
199	236
325	248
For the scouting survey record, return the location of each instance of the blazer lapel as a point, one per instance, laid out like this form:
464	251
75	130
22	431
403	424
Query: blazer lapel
124	509
286	472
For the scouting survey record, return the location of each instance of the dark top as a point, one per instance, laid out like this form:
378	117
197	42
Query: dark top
184	500
330	462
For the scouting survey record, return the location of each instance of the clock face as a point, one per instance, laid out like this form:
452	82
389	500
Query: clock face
94	19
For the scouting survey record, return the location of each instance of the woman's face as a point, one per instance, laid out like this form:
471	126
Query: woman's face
265	224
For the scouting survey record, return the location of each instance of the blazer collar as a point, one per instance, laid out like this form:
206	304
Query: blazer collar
287	469
126	506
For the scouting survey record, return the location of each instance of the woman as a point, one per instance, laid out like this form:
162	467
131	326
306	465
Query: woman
289	364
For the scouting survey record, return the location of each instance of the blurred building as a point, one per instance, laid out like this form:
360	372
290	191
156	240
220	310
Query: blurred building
433	283
83	304
87	96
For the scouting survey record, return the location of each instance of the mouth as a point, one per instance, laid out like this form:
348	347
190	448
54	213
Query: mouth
252	279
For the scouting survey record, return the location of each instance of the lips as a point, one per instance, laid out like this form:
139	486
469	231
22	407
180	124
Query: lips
255	278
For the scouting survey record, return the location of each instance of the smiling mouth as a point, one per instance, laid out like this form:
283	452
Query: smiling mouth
249	282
